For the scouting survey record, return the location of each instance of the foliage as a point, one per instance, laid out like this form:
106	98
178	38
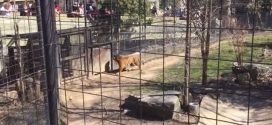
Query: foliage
172	3
135	10
264	5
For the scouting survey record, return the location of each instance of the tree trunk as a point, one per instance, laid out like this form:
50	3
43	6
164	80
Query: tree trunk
20	86
204	70
205	44
228	7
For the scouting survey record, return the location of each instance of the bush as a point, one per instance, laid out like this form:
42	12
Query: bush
134	10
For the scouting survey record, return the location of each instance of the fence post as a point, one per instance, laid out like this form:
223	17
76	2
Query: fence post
51	56
187	53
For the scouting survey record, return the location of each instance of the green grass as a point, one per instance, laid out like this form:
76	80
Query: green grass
175	74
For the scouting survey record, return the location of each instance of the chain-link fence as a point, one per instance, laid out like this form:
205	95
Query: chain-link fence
90	62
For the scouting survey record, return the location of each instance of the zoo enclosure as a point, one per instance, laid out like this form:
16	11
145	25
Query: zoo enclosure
76	49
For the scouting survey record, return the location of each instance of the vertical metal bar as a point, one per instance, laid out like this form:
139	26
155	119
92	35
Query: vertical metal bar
187	52
91	52
92	57
163	57
140	75
145	18
251	58
120	94
86	38
111	56
80	55
51	57
175	20
101	87
139	41
111	20
88	52
117	47
218	60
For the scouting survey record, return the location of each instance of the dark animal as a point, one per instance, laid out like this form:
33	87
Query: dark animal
252	71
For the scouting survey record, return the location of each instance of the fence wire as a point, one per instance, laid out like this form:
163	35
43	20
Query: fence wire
126	62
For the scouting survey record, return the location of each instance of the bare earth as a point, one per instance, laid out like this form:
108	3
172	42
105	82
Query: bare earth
111	96
108	85
232	109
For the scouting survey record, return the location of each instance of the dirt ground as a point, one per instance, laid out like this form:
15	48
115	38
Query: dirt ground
82	103
91	108
233	109
107	84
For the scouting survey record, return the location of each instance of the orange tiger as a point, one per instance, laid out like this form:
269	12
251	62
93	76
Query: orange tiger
127	60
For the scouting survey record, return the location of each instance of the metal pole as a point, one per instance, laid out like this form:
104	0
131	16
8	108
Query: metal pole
51	57
111	57
187	53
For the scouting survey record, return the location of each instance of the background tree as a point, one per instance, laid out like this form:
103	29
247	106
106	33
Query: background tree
126	14
248	11
266	6
133	11
204	8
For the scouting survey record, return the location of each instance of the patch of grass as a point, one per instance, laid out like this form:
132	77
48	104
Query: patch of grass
252	52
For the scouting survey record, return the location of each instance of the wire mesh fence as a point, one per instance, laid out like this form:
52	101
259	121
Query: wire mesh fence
23	90
136	62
